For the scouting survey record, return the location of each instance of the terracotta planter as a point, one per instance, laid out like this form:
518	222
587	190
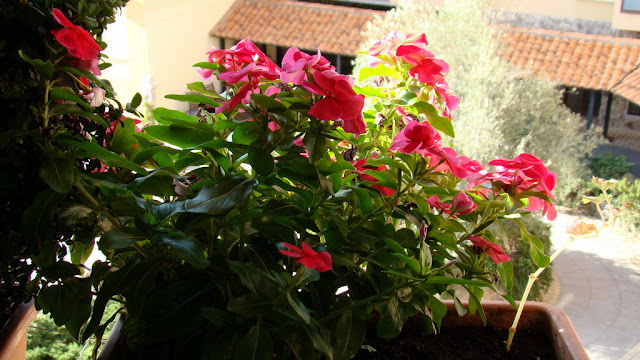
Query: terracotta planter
13	336
545	318
538	316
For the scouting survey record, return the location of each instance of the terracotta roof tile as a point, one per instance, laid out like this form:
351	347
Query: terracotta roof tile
309	26
587	61
573	59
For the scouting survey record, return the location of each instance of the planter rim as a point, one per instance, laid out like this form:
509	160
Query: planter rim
15	329
563	335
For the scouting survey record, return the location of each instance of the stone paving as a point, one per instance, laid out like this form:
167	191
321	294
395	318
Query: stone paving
599	288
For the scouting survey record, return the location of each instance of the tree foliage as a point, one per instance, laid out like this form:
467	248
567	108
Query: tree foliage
502	110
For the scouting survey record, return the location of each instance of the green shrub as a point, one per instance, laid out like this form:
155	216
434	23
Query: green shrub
627	191
522	263
503	111
608	166
47	341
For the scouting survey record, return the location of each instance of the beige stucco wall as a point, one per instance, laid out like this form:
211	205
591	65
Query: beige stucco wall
600	10
165	38
625	20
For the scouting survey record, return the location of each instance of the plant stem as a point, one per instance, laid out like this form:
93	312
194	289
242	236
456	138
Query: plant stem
532	278
106	214
94	202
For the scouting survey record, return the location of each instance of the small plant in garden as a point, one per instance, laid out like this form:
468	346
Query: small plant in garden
608	166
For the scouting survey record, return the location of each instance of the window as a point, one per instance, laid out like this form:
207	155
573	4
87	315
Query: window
633	109
630	5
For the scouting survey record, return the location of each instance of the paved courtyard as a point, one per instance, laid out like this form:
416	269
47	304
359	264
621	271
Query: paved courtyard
599	288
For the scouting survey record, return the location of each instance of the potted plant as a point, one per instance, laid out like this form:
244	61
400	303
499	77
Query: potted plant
293	206
296	203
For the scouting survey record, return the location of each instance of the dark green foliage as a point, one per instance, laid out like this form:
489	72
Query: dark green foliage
47	341
521	259
607	166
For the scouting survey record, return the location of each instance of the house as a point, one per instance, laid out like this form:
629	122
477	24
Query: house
595	54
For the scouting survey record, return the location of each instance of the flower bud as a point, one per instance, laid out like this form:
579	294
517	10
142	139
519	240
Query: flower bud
423	231
462	203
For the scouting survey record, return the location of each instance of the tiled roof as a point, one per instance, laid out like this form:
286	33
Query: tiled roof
587	61
309	26
573	59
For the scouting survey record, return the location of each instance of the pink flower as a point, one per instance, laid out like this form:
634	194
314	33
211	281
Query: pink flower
411	48
295	64
308	257
78	41
95	96
462	203
429	71
360	169
418	137
529	165
493	250
526	173
339	102
435	203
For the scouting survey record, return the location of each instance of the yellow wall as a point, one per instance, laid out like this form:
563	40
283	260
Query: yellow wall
625	20
165	38
600	10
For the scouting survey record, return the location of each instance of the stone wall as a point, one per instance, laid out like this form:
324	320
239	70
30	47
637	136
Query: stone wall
563	24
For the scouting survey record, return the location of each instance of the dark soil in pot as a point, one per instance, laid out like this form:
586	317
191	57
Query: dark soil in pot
463	343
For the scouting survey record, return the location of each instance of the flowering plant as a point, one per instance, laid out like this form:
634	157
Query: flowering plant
292	206
296	203
56	113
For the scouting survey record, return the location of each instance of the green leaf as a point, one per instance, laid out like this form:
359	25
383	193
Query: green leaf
439	122
536	248
205	65
58	93
458	281
368	91
90	149
37	220
166	116
136	101
364	199
413	264
316	145
57	172
120	238
268	103
438	310
349	334
250	305
184	247
44	68
299	308
260	158
505	269
256	280
379	70
62	109
194	99
123	140
59	300
281	208
391	320
180	136
256	345
59	270
148	153
80	252
222	197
